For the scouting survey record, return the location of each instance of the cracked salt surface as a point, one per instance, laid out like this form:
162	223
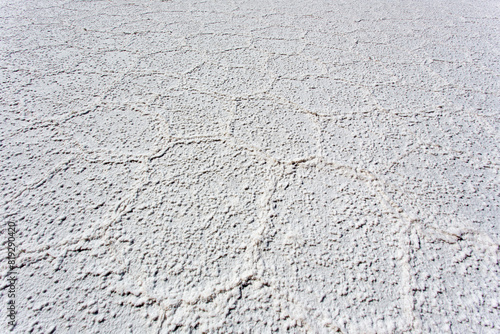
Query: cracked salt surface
258	166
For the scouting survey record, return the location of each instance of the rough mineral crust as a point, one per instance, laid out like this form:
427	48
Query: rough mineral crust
251	166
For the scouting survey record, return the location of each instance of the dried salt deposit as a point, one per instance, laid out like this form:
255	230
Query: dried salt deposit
251	166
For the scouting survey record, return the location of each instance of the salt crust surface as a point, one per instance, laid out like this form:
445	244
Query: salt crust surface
252	166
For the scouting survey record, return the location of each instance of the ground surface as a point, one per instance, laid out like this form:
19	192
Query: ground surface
251	166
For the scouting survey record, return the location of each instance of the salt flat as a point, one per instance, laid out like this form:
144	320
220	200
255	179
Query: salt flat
251	166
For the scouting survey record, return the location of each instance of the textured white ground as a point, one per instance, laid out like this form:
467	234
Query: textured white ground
251	166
